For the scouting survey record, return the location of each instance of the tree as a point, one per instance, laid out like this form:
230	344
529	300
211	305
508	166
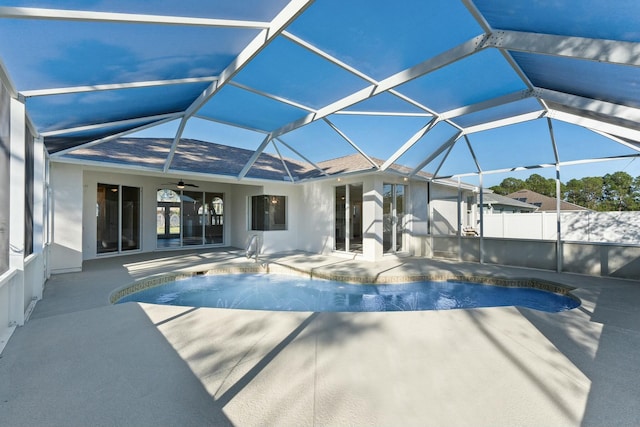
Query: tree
508	186
539	184
618	192
586	192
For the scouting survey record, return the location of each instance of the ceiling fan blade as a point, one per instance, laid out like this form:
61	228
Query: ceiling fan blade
190	185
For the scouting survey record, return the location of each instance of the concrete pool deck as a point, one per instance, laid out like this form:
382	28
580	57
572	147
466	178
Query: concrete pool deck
82	361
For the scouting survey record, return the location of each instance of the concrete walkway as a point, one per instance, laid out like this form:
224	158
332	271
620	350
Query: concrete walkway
80	361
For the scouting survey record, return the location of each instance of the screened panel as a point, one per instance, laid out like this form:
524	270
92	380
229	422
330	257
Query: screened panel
523	144
220	133
460	160
90	53
583	18
379	136
385	102
505	111
317	142
608	82
261	10
427	145
72	139
474	79
380	39
243	108
273	72
81	109
574	141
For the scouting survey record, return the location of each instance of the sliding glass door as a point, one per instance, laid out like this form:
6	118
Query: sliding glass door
393	218
117	218
348	218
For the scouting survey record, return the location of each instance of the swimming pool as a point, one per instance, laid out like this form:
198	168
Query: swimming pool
292	293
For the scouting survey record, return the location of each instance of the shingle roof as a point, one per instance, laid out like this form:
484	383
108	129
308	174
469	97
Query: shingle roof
497	199
544	203
216	159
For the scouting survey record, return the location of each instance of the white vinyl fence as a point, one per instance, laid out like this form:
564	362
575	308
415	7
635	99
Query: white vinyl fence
583	226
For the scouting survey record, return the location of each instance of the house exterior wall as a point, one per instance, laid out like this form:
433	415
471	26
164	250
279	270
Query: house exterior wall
418	220
67	229
74	201
310	213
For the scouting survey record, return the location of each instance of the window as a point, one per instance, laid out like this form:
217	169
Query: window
117	218
268	213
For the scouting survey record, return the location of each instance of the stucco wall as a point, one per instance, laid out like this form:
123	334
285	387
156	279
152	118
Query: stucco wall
67	227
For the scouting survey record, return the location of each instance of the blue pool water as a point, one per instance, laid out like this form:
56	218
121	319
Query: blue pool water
291	293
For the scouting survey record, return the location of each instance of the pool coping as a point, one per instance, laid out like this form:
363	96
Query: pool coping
274	268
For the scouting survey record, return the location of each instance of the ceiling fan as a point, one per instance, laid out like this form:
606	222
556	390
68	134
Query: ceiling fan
181	184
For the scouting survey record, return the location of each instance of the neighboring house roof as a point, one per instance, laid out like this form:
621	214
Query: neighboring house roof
544	203
497	199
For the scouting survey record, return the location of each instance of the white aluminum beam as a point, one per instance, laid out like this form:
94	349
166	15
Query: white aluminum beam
436	153
455	54
115	86
596	125
254	157
353	144
473	154
60	153
108	124
545	165
284	164
616	112
174	144
274	97
485	105
410	143
302	43
302	156
129	18
505	122
380	113
609	51
222	122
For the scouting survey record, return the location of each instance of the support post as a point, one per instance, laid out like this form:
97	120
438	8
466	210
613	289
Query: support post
17	180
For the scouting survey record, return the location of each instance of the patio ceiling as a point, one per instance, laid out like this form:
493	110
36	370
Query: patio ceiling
417	84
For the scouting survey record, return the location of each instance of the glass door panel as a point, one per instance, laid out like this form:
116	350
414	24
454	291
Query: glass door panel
355	223
393	218
168	219
213	218
387	217
107	218
130	218
192	214
400	220
341	218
